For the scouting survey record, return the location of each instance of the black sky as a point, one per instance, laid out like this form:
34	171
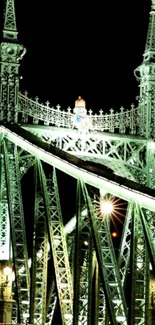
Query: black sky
82	48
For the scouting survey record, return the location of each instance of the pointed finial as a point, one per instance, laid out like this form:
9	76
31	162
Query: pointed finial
10	28
153	4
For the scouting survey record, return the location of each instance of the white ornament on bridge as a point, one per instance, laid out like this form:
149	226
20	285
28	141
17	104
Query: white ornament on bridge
81	120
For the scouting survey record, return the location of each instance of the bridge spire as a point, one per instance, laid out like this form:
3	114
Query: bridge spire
10	27
11	51
149	53
145	73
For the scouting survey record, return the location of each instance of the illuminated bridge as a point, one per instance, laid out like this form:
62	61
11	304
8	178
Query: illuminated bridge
56	269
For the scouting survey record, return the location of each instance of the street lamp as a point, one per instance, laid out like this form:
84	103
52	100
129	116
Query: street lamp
6	278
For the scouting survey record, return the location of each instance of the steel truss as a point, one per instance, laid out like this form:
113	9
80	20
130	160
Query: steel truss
40	258
111	277
83	273
58	245
17	226
86	271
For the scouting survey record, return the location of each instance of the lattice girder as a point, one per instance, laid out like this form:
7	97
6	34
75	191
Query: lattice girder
148	221
52	303
10	28
146	75
102	306
18	234
99	298
109	270
150	42
84	283
40	258
11	52
4	214
150	164
58	245
139	271
83	272
124	251
26	161
111	150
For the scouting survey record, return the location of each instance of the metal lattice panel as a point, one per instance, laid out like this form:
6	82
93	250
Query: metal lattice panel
52	303
121	154
40	258
124	252
83	265
26	161
88	266
18	234
108	267
150	42
148	220
59	247
10	19
100	301
139	271
4	215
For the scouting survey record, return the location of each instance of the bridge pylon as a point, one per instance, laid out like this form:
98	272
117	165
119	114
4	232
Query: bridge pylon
11	52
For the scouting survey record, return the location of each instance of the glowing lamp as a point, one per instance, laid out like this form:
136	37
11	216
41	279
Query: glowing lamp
114	234
106	207
7	270
9	274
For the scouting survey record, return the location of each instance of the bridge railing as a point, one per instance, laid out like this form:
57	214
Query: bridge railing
124	121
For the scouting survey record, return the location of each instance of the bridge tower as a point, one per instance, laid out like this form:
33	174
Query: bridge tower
146	75
11	52
63	269
13	254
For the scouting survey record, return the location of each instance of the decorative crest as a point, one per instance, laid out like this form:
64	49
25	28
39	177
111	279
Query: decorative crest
10	28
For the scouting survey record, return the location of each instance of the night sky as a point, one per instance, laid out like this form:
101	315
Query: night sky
82	48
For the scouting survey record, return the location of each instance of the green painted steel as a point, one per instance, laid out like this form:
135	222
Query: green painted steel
18	233
10	28
58	245
111	279
11	54
124	250
90	283
139	271
145	73
83	271
40	257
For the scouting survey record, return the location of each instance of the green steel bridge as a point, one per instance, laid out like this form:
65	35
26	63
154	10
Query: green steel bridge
54	272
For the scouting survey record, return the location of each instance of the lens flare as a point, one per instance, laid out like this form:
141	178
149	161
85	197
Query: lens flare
110	207
106	207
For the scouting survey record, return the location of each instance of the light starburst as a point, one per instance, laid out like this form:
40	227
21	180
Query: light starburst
110	207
